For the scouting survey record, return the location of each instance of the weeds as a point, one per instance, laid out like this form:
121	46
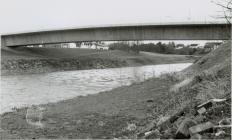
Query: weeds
213	89
173	76
212	83
181	84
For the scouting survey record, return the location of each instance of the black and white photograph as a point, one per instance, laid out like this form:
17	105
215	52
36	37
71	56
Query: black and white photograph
115	69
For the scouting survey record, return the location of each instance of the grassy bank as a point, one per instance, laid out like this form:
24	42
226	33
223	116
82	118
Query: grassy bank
105	115
36	60
206	81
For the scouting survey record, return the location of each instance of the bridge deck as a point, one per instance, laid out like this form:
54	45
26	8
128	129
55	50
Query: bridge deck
168	31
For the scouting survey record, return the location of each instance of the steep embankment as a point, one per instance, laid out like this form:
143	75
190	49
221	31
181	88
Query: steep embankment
36	60
203	109
210	76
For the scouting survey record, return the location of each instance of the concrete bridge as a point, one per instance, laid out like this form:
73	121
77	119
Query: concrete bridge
167	31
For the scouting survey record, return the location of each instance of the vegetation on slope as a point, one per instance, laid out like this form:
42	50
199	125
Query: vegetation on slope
208	78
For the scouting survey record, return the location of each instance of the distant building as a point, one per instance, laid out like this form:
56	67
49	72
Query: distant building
194	46
87	45
83	45
60	45
102	47
65	45
200	46
93	45
50	45
180	46
212	45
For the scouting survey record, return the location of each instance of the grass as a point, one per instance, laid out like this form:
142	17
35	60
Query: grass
213	82
213	89
30	53
119	113
181	84
212	61
58	53
209	78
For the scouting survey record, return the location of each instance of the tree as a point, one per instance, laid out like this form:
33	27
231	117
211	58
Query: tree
226	6
78	44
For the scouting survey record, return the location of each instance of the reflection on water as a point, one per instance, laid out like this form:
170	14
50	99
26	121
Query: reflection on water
24	90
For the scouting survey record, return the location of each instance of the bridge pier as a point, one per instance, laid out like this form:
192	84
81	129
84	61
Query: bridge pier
3	43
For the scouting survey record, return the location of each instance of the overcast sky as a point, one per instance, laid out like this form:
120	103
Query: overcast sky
28	15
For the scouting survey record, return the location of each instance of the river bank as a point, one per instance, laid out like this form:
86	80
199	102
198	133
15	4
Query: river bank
104	115
22	90
41	60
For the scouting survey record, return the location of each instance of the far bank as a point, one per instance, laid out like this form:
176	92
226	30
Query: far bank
24	60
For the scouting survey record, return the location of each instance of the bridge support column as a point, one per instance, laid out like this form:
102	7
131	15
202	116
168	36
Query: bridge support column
3	43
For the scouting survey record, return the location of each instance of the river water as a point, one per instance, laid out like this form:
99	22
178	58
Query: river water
26	90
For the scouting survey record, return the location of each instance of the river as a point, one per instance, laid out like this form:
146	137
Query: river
25	90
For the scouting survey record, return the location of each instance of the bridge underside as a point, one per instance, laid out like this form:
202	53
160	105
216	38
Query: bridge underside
122	33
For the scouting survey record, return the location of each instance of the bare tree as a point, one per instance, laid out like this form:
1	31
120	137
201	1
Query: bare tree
226	6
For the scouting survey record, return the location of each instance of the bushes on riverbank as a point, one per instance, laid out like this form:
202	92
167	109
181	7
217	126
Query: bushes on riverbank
49	65
170	48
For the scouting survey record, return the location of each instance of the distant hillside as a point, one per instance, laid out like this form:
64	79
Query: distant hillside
30	53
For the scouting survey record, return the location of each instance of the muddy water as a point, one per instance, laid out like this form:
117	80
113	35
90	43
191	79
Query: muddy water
25	90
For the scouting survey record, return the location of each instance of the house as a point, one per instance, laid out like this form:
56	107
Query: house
65	45
101	47
194	46
60	45
93	45
52	45
212	45
180	46
87	45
